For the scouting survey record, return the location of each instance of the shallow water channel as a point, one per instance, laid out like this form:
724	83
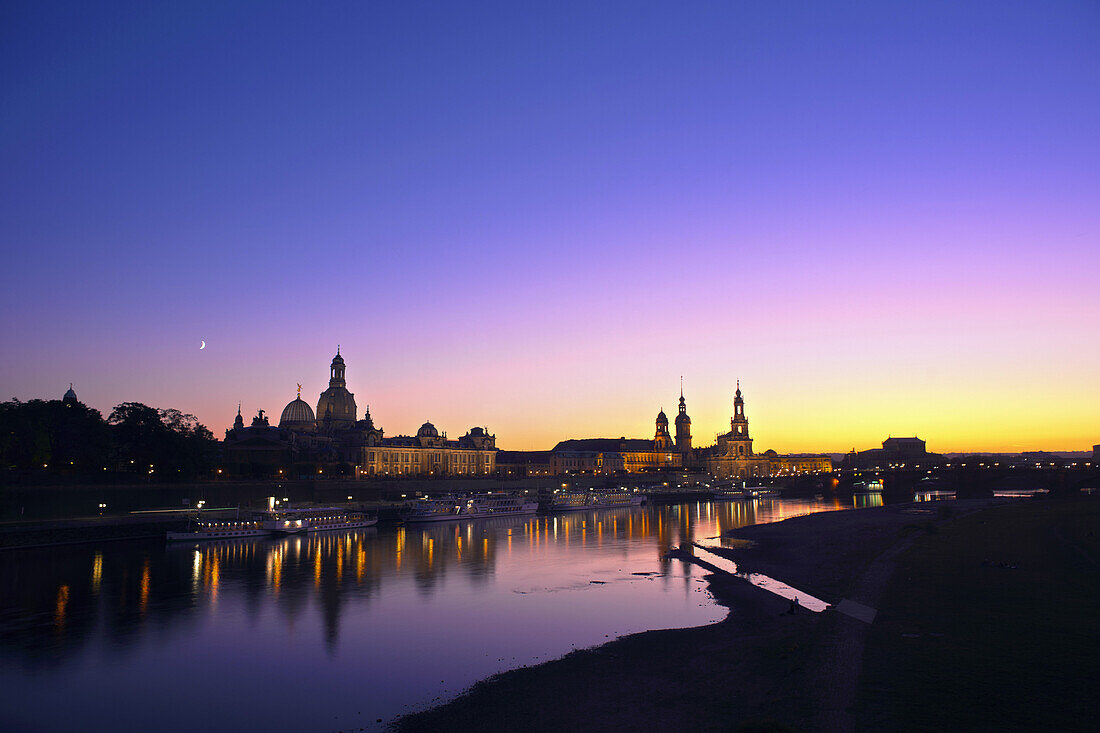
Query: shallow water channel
335	631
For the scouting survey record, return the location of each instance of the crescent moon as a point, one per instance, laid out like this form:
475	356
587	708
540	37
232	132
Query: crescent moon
203	346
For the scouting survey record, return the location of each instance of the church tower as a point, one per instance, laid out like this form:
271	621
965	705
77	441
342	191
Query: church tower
662	440
740	444
683	427
336	409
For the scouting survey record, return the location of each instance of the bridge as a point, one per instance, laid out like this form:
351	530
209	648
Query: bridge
970	479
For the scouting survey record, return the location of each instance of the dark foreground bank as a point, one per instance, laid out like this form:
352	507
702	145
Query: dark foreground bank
765	669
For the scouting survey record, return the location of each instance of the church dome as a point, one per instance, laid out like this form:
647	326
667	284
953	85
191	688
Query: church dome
683	418
70	395
297	413
427	430
661	417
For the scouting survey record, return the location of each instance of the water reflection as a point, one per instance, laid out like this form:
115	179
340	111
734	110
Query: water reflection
470	597
859	501
933	495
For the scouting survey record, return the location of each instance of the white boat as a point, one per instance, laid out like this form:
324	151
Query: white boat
328	519
729	493
612	499
567	501
467	507
314	519
760	492
220	531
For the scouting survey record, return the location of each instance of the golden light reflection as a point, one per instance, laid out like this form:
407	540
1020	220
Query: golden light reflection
59	608
645	527
277	571
144	599
215	578
97	572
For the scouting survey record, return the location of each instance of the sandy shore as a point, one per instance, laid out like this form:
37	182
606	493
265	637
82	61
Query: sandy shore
759	669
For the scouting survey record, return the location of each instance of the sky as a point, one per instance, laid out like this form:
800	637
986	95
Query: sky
882	217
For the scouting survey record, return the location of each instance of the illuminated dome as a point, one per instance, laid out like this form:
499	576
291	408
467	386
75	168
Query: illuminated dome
297	414
427	430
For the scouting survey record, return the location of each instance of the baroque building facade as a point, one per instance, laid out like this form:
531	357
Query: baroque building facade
335	436
732	456
609	456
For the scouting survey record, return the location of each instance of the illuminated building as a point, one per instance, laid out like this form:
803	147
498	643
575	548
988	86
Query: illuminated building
522	463
608	456
732	455
336	437
683	431
895	452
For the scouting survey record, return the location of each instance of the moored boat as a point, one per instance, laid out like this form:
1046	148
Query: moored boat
320	520
730	494
614	499
219	531
761	492
565	501
467	507
315	519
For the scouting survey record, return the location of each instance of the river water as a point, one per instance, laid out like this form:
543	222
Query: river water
334	631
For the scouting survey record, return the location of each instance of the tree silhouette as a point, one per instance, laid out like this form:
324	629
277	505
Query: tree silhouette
72	438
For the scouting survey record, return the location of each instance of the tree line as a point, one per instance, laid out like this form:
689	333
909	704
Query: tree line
43	437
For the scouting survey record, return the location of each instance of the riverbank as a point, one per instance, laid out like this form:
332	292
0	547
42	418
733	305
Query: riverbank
761	666
995	618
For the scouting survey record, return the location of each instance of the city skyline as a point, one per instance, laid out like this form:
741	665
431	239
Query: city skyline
701	433
881	218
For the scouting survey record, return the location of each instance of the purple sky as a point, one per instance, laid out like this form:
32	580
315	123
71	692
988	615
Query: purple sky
882	217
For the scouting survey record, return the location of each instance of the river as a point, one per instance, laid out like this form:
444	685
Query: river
335	631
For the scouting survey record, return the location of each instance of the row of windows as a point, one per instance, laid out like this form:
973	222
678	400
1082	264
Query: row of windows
386	457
